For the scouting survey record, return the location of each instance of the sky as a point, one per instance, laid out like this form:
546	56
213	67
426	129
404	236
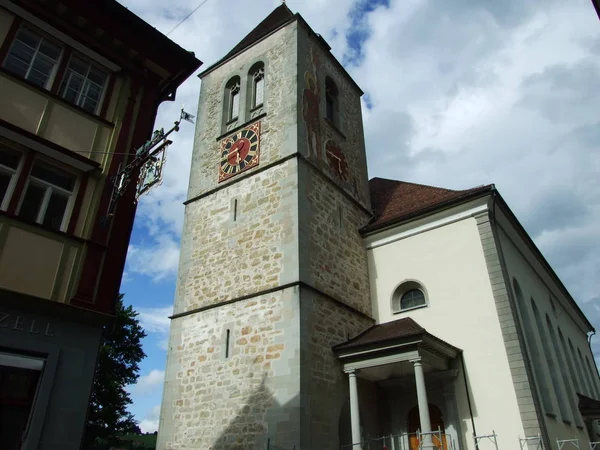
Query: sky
457	94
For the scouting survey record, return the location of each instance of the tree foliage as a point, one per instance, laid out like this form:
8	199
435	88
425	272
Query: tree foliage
117	367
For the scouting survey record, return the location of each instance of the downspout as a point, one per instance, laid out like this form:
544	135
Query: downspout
590	336
511	299
462	361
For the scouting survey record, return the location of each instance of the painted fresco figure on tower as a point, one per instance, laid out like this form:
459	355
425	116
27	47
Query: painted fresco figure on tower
310	111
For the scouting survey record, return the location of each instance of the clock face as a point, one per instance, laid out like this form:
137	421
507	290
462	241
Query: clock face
337	160
239	152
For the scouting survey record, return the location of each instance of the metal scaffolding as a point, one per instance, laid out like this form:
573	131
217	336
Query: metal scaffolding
491	437
525	443
560	443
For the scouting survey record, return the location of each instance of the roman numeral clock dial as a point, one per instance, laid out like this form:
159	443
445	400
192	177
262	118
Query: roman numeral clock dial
239	151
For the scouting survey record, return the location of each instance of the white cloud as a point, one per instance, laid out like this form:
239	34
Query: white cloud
461	93
147	384
156	320
149	424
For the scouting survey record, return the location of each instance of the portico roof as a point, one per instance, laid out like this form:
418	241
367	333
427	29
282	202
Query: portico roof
402	333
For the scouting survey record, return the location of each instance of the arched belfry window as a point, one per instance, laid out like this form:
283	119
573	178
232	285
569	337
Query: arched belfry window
232	99
409	295
331	101
257	83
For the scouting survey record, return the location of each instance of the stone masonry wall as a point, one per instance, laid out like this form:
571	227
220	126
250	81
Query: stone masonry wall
346	137
222	258
325	323
235	401
333	257
278	127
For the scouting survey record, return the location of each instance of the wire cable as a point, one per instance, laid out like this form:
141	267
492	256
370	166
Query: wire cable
187	17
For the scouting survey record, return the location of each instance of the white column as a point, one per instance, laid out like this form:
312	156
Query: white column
354	409
422	402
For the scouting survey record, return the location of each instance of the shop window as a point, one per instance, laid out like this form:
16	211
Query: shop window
33	58
19	379
48	196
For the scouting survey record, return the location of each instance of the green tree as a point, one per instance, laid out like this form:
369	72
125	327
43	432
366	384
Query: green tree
117	367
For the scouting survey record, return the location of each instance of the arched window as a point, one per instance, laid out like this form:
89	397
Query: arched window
232	99
593	376
550	362
563	370
533	348
256	78
409	295
569	359
586	375
331	101
585	389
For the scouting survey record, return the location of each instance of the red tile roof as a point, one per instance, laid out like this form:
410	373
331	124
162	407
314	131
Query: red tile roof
394	200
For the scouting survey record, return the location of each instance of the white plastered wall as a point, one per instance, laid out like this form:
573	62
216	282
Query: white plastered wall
537	283
449	262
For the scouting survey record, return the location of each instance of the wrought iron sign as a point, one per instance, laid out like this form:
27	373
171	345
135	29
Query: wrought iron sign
150	160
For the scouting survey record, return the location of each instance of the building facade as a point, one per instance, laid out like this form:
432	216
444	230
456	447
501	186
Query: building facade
317	310
80	84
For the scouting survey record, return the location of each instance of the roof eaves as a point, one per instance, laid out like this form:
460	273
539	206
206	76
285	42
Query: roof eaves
536	251
474	194
327	47
229	57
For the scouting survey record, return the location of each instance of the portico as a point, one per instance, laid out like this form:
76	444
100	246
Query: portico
406	362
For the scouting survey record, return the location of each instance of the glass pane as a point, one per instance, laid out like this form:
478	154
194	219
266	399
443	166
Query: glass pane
40	71
56	210
32	202
258	100
235	105
329	104
9	158
17	393
28	37
4	183
98	77
50	50
79	66
19	59
412	298
89	104
53	176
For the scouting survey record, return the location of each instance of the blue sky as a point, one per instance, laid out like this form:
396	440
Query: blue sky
458	94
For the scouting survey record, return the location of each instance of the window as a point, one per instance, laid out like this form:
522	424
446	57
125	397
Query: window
533	348
593	377
48	196
9	163
19	381
569	361
331	99
552	369
83	84
582	383
33	58
232	99
563	370
258	85
409	295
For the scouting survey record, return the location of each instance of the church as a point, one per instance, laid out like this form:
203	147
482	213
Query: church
318	310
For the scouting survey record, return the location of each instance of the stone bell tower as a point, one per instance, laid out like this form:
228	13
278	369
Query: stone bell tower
273	270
